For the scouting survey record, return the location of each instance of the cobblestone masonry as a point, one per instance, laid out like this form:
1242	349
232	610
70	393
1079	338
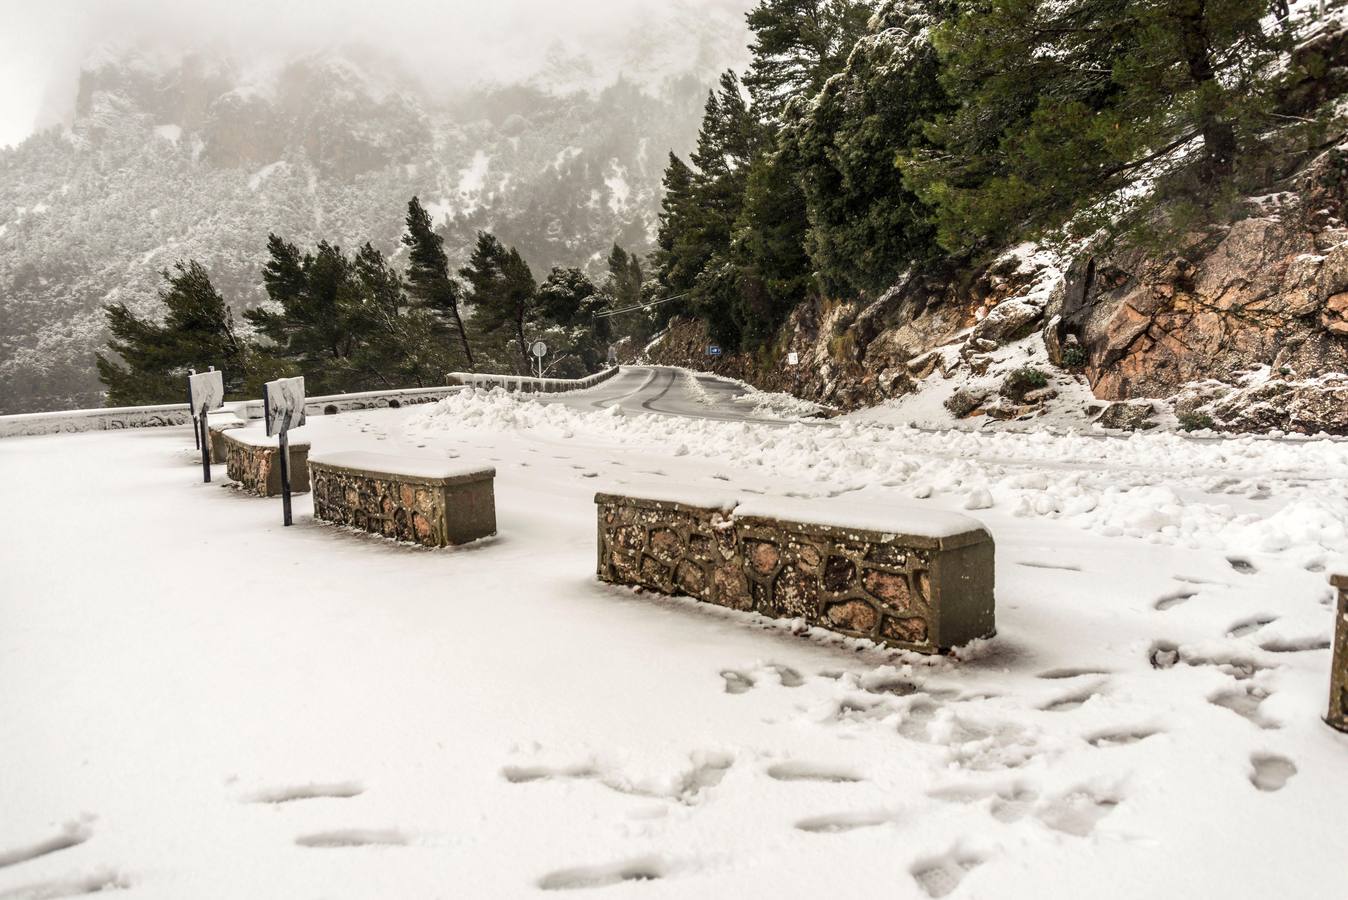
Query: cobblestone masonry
1338	673
219	455
257	467
433	512
910	591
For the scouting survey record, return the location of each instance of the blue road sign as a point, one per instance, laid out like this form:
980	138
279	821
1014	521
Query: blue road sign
713	349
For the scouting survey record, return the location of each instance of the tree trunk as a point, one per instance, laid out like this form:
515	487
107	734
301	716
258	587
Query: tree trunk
1219	138
463	334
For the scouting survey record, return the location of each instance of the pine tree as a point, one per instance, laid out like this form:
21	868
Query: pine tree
797	45
866	224
568	307
197	332
315	322
1061	106
503	292
428	278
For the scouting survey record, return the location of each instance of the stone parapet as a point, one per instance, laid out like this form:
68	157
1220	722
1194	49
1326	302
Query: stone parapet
422	501
918	588
215	425
1338	672
254	461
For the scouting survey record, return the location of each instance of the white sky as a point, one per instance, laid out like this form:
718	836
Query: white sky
42	42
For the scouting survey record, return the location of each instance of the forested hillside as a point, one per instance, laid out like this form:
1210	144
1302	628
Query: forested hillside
1143	198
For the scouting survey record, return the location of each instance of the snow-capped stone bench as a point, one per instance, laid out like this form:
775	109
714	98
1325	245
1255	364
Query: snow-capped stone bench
912	578
1338	673
418	499
216	423
254	461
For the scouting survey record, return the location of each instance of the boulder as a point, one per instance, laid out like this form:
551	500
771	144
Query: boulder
1133	416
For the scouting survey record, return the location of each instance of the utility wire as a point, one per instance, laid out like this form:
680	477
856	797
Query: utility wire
645	305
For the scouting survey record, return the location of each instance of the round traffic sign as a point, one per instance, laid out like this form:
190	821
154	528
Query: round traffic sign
539	349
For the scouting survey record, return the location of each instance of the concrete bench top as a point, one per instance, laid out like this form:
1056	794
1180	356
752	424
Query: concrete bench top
387	465
257	437
701	498
1339	581
932	526
873	517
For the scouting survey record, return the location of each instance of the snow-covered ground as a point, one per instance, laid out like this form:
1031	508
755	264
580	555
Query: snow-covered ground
196	702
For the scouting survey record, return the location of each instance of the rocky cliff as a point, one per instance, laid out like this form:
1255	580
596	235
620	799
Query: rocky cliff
1240	327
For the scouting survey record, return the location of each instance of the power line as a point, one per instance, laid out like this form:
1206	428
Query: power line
645	305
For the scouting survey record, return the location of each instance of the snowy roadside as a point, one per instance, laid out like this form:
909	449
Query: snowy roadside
361	719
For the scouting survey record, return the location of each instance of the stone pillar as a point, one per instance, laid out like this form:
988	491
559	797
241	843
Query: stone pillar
1338	666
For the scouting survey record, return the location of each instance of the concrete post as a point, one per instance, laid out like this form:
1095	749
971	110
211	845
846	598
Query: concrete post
1338	666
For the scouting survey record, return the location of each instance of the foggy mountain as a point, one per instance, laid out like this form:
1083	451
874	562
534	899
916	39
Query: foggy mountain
195	156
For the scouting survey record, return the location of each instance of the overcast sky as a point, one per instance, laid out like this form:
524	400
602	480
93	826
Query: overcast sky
43	42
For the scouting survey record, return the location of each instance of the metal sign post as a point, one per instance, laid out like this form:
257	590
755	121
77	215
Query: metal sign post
283	409
539	350
207	392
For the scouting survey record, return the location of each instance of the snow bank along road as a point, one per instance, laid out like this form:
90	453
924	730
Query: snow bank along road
199	703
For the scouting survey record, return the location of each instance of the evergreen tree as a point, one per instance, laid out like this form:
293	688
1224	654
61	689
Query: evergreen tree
866	225
316	318
568	308
503	292
428	278
399	342
624	289
1063	105
197	332
769	247
797	45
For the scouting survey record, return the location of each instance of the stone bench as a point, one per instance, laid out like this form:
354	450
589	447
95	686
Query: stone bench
1338	666
254	461
216	424
911	578
422	500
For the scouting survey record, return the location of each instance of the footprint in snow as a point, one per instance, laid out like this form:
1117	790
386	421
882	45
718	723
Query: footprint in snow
1055	674
1244	701
1076	813
800	770
1294	645
1242	565
1249	626
1034	564
354	837
739	682
1074	699
938	876
71	835
649	868
837	823
340	790
1271	772
1173	599
96	883
1120	737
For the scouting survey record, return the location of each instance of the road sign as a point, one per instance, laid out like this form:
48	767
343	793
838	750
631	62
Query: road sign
539	349
713	349
792	358
283	409
206	391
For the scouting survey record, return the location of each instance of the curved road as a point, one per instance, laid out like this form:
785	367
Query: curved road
668	391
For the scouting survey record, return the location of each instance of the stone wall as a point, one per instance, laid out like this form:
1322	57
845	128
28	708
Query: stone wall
431	510
1338	674
255	462
219	451
911	591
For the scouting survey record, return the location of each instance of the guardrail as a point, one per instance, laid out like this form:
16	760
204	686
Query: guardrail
119	417
528	384
116	418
